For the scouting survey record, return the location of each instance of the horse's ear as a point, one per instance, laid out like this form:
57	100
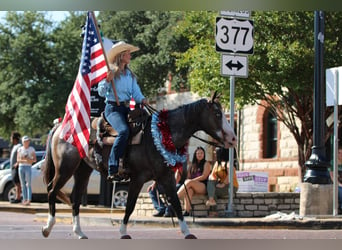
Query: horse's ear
215	96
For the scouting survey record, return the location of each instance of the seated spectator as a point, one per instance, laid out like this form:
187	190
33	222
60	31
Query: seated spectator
196	181
218	182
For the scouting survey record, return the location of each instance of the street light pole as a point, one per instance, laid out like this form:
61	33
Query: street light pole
317	172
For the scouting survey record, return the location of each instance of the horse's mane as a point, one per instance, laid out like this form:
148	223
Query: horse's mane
191	108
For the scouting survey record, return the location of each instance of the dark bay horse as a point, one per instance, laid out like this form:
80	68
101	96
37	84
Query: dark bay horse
146	161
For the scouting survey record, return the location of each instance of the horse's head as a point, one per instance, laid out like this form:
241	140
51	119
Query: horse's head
216	125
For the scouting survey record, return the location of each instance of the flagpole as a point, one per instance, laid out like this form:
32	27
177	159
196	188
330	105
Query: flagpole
105	56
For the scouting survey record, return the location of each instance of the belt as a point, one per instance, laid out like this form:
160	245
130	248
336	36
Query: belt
126	103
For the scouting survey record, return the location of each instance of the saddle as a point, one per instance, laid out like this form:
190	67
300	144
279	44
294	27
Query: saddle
106	134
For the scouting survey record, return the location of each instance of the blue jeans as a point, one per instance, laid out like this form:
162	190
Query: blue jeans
25	181
158	204
117	118
340	197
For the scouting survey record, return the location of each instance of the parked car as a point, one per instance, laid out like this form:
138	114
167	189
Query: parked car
3	159
6	164
39	192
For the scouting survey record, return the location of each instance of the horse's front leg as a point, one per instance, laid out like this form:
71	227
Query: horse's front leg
171	194
46	230
133	192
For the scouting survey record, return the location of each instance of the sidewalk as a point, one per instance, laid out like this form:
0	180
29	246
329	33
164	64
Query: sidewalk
94	215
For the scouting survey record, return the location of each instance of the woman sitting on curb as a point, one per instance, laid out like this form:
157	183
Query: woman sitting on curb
218	182
196	181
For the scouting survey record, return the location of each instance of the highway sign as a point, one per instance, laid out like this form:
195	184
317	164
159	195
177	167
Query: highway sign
234	36
232	65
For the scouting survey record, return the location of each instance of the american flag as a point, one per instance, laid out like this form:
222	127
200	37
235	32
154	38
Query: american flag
93	68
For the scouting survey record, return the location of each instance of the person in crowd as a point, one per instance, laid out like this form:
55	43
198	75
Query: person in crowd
126	87
26	157
196	181
15	140
155	190
218	181
339	177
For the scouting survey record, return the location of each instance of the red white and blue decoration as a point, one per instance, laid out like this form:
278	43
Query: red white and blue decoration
163	141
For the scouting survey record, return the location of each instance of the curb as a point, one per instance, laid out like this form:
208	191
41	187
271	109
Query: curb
236	223
106	216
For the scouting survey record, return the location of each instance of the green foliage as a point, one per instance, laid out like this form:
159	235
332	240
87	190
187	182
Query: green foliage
201	60
281	70
39	65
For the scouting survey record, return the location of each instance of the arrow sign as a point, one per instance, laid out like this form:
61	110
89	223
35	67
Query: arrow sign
234	65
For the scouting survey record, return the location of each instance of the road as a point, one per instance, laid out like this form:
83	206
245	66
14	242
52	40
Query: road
26	226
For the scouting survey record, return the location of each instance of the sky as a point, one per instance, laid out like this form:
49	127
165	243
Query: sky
56	16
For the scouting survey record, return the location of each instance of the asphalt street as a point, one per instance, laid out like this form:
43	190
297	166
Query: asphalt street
25	222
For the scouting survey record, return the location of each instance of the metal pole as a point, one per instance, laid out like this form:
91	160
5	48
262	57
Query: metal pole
230	210
317	172
335	192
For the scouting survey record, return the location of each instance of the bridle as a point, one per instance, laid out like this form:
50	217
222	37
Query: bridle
207	142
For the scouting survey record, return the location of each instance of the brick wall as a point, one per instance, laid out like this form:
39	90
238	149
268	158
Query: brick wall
285	164
244	205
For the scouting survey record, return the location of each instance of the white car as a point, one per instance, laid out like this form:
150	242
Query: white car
39	191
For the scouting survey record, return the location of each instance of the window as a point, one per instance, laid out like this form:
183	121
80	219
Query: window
271	139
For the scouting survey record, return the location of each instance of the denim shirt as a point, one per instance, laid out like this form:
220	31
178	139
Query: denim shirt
126	87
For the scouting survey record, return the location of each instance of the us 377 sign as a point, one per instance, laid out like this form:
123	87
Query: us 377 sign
234	36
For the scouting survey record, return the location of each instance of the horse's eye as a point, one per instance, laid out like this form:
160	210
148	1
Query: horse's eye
219	115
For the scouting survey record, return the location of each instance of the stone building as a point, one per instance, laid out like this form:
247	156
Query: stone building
267	145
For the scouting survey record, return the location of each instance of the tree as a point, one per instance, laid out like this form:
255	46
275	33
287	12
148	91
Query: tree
280	71
39	66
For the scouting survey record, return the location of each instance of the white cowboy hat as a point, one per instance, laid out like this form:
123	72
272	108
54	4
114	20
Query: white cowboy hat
119	47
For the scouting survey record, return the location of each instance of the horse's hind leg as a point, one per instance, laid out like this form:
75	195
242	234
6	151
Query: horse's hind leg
46	230
81	176
53	188
169	186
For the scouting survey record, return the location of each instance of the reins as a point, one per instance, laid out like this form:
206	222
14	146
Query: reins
206	141
150	109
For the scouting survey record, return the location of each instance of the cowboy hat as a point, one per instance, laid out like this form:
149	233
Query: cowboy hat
119	47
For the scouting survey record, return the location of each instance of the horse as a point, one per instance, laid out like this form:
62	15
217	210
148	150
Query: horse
151	159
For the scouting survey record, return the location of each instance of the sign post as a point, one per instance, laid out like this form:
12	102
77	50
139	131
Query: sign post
233	36
334	98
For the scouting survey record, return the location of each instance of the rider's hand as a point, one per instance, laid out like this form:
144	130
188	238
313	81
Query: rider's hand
110	75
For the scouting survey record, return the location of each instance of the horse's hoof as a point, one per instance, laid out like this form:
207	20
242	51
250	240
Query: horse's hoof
126	237
190	236
45	232
83	237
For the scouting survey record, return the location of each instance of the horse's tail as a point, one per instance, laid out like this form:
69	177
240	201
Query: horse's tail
49	168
